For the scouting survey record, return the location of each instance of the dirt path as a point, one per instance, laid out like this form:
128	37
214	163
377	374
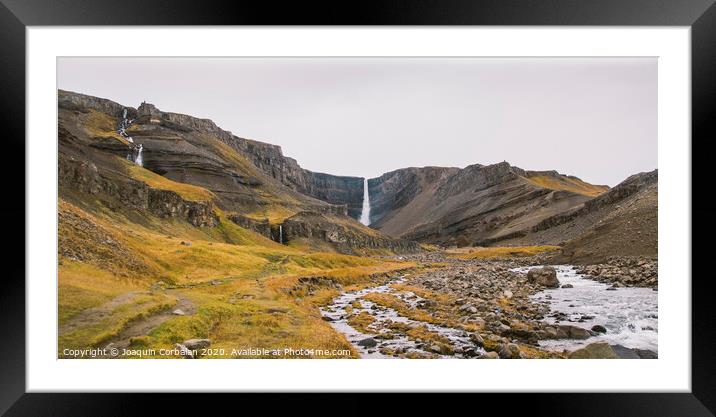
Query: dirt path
147	324
95	315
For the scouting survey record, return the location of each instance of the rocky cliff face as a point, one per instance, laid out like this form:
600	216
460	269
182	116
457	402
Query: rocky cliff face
118	192
346	237
251	182
330	188
269	159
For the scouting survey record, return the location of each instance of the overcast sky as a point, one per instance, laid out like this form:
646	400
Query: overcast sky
595	118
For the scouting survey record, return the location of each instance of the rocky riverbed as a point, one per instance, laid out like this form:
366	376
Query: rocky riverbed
506	308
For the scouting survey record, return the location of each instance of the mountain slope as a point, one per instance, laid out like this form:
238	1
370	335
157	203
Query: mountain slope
477	205
193	170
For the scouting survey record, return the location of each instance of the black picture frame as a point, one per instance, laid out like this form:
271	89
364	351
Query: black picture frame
16	15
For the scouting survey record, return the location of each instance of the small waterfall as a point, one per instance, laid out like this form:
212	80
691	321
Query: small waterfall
139	160
365	213
280	234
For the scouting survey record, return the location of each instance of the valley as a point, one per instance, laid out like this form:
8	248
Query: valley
177	236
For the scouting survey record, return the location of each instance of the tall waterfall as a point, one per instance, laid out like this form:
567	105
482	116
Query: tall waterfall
280	234
139	161
365	213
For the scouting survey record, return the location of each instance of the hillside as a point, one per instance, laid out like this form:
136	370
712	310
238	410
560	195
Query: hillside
166	233
475	206
190	166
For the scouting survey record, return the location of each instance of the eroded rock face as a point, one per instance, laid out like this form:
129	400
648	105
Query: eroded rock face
83	103
270	159
165	203
261	227
333	189
84	176
345	237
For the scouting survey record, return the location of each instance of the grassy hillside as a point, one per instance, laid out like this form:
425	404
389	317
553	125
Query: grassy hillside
238	288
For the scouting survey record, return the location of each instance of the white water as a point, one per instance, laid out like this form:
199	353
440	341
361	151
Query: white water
280	234
365	213
630	315
140	160
460	339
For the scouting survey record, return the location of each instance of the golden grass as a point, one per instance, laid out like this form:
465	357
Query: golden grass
361	321
82	286
568	184
253	275
275	213
96	333
97	123
186	191
500	252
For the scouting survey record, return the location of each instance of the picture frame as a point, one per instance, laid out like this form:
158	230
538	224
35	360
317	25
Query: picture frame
700	16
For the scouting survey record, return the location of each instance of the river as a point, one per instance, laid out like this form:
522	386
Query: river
630	315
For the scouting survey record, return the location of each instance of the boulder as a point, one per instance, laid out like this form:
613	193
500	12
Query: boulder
477	339
545	276
179	312
599	329
567	286
510	351
368	343
600	350
624	352
489	355
195	344
567	331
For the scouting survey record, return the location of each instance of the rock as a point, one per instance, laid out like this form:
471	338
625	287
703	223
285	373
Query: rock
508	294
477	339
195	344
179	312
546	277
326	318
567	286
184	351
183	243
469	352
600	350
646	354
611	289
510	351
435	349
489	355
624	352
566	331
599	329
368	343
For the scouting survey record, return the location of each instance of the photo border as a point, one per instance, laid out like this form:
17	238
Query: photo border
699	15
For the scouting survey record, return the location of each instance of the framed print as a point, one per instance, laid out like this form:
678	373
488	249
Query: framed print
230	200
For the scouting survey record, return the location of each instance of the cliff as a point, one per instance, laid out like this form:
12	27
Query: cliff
175	166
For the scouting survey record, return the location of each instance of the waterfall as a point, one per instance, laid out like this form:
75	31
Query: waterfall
139	161
365	213
280	234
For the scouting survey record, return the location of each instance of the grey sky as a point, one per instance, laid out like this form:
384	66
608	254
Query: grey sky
595	118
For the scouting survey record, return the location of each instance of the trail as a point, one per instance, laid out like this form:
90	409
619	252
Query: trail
145	325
